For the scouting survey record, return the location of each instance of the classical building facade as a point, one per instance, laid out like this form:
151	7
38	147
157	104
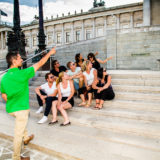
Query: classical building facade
125	32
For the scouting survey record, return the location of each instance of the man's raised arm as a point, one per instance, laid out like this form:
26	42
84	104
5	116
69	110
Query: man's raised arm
44	59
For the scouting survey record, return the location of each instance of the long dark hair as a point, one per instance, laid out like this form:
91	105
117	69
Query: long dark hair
100	73
77	58
91	55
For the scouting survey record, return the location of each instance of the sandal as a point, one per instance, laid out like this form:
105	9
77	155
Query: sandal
96	108
51	123
82	104
101	106
87	105
62	124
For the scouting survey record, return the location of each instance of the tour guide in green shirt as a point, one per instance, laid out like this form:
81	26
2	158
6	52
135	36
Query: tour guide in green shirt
15	91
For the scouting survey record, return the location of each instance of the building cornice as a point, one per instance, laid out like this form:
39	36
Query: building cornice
87	15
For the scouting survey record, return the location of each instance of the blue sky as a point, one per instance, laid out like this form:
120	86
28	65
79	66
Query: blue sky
28	2
28	8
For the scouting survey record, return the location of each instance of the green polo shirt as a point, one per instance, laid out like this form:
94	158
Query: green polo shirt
15	84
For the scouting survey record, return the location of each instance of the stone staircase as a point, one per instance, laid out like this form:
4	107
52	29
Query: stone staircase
127	128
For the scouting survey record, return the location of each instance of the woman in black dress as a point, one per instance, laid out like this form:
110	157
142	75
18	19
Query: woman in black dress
95	61
103	89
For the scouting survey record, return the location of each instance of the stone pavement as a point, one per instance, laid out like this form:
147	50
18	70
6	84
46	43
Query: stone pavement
6	150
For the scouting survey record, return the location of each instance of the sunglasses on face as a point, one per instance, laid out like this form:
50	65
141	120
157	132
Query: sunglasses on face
51	77
90	57
56	63
73	64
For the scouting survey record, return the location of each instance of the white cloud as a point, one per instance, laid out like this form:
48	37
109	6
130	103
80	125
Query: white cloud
53	8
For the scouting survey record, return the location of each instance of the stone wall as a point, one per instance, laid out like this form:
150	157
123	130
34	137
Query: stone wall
135	50
155	12
131	49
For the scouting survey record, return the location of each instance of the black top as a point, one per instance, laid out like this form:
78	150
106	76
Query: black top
61	69
96	65
100	84
78	64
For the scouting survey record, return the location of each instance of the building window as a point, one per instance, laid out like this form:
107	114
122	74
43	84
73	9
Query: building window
34	41
78	35
49	39
68	37
88	34
99	32
27	42
58	38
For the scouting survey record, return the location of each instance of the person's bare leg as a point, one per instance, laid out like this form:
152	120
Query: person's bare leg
81	82
83	100
54	111
89	99
97	103
101	103
64	113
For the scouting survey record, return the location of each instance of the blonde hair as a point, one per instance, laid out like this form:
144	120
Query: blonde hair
84	65
59	79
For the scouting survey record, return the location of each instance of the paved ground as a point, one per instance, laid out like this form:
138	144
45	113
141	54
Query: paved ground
6	148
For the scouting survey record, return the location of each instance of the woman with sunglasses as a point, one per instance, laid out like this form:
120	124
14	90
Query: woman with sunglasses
95	61
79	59
65	96
102	88
90	75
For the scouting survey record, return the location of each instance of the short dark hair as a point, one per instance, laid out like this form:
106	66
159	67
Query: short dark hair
54	62
47	75
69	64
10	56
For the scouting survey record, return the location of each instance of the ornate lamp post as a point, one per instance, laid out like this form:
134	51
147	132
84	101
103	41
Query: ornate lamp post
16	38
41	35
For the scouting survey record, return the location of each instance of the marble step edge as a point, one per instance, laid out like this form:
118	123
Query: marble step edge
127	96
118	88
115	112
131	128
32	145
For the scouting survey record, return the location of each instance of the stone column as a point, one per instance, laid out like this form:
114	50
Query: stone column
93	30
31	40
5	38
72	32
2	40
53	35
82	36
117	21
131	20
146	13
46	36
105	24
62	33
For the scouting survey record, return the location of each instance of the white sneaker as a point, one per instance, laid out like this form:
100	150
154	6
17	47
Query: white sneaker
40	110
43	120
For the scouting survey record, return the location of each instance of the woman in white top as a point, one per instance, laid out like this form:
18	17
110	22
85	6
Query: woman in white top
90	75
65	96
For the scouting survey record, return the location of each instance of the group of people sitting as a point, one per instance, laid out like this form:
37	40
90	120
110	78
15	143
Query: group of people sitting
84	76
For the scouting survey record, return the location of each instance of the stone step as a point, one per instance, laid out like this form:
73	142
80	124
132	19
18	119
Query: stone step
121	88
137	89
122	82
127	96
114	124
126	113
119	104
86	142
138	97
136	82
124	74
